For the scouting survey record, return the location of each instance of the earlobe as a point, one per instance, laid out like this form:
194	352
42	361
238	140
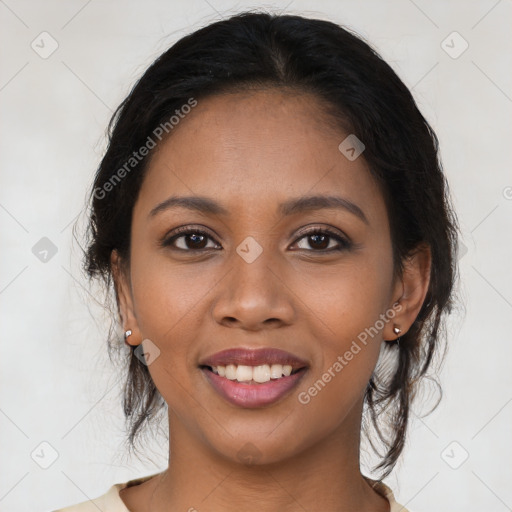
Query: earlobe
124	301
414	284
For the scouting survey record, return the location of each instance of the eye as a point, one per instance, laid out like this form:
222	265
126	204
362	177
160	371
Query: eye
321	240
194	239
188	239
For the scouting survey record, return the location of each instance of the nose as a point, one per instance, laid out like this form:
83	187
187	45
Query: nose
254	296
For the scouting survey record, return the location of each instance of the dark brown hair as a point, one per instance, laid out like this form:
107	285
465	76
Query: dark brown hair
367	98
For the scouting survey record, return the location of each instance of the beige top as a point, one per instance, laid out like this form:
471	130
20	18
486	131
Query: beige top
112	502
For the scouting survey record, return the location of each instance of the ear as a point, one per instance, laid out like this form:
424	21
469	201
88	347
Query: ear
124	298
410	291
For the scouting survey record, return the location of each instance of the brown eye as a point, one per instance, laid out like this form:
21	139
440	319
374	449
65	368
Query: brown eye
324	240
188	239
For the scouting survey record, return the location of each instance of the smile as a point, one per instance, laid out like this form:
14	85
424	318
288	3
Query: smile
250	393
253	378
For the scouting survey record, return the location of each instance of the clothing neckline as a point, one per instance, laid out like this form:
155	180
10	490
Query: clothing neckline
118	504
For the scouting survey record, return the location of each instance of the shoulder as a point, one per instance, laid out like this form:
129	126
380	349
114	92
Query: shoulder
385	491
108	502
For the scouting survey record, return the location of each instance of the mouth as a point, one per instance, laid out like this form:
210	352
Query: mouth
253	378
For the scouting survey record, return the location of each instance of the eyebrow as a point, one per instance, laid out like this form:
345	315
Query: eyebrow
291	206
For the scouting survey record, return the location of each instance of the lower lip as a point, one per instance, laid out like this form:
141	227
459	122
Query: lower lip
253	395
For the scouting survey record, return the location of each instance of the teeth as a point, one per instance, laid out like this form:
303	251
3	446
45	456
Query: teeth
260	374
243	373
230	372
276	370
287	370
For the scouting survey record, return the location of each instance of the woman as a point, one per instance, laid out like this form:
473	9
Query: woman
273	217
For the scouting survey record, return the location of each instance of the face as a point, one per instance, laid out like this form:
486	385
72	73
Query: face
254	272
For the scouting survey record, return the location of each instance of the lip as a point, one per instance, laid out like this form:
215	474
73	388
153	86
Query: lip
247	395
243	394
254	357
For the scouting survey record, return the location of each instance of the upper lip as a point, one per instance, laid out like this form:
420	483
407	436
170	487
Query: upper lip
254	357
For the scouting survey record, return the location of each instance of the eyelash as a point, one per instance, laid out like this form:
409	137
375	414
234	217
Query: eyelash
344	244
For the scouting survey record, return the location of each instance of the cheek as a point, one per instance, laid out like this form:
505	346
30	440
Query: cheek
347	300
349	307
168	302
349	341
167	296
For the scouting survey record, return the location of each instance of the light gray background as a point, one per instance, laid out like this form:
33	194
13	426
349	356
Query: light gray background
57	384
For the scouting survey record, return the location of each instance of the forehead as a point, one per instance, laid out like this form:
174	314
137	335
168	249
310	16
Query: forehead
256	148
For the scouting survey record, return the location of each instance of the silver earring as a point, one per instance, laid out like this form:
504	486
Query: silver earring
397	329
127	333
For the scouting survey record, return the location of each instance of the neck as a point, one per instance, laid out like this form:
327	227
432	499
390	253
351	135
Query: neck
323	476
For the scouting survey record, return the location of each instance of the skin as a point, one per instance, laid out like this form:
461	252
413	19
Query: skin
250	151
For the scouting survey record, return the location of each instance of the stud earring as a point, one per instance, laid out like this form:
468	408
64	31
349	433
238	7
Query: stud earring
127	334
397	331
